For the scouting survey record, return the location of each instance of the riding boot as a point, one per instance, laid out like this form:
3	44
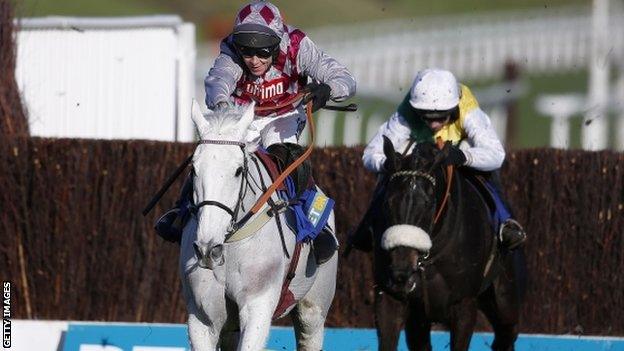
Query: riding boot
171	224
511	234
362	237
324	246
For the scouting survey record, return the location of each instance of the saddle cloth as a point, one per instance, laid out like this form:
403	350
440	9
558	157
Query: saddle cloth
311	208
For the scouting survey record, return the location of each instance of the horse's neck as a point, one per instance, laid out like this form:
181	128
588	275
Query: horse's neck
445	230
259	178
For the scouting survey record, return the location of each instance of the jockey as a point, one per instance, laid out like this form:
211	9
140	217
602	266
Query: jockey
438	107
268	62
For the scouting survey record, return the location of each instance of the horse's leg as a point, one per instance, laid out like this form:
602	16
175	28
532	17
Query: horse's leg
389	318
417	329
255	320
309	315
207	312
501	305
503	319
230	334
463	316
204	336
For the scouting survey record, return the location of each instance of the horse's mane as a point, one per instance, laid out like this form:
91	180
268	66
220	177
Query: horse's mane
223	125
422	156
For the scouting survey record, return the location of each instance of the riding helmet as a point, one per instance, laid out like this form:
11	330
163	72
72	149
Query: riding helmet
435	93
258	25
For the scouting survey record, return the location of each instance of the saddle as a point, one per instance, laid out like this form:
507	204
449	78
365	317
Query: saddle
284	154
479	181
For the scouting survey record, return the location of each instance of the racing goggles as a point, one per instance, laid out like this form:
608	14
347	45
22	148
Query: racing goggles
436	116
263	53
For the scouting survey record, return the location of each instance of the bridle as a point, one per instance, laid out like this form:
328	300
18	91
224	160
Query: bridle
426	259
233	213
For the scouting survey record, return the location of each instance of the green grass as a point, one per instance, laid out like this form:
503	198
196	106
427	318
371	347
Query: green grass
213	18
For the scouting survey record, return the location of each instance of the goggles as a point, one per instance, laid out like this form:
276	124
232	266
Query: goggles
440	119
263	53
436	116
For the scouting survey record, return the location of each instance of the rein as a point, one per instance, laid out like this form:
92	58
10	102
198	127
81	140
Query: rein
449	181
273	187
259	207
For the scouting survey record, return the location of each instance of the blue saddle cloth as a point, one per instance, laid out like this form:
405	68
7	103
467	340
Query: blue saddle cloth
311	210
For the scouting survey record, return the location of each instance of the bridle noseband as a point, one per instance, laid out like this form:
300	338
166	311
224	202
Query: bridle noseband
233	213
414	174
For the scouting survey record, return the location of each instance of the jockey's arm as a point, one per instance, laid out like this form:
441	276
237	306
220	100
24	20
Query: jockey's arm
397	130
485	151
221	80
315	63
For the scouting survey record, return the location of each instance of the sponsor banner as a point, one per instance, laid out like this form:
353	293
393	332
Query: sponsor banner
125	337
173	337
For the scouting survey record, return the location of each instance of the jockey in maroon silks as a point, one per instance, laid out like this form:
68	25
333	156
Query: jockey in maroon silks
268	62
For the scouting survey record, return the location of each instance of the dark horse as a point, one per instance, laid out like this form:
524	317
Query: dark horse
442	271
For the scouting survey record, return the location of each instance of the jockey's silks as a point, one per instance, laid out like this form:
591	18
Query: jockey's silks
453	132
311	210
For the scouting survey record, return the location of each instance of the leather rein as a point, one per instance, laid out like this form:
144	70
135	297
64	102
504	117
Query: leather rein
265	198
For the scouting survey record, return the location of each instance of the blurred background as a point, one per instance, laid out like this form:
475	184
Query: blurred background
549	72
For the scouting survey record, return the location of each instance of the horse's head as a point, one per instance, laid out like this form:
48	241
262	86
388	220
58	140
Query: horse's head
409	206
220	170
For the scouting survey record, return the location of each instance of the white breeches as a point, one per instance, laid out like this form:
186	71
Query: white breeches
284	128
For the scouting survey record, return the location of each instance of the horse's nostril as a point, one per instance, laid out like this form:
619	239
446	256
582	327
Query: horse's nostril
197	250
400	277
216	252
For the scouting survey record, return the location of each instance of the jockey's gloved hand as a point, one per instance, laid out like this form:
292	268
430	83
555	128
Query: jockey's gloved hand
319	93
455	157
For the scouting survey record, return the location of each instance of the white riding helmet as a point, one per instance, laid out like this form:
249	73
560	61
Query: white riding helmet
434	90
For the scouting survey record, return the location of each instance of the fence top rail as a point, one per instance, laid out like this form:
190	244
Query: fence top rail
95	23
489	21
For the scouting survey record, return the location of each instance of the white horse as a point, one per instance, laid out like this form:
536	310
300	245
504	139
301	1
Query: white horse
232	289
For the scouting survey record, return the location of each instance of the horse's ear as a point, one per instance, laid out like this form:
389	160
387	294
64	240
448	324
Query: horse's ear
388	149
247	116
198	118
441	155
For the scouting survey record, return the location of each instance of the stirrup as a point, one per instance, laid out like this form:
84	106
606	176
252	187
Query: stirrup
511	234
166	227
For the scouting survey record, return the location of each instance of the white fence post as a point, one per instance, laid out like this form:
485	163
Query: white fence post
560	108
186	81
594	133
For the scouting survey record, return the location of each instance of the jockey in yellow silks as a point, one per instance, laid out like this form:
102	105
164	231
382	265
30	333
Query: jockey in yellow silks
437	106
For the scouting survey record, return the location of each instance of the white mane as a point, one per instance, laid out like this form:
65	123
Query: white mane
225	124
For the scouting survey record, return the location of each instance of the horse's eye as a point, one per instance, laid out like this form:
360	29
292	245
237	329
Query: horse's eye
239	170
